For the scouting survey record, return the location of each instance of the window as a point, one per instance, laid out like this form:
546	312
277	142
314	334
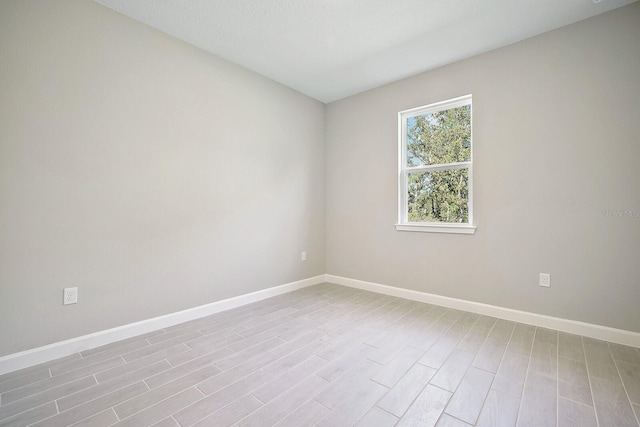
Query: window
435	174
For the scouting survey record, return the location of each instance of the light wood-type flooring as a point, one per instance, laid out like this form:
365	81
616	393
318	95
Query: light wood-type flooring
328	355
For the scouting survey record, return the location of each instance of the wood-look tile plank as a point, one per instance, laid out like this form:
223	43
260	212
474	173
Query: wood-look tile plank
599	359
119	383
539	400
31	416
490	355
511	375
466	403
486	322
348	384
198	352
439	352
306	415
186	327
279	314
163	409
391	348
223	379
432	316
399	398
630	375
260	337
24	380
221	398
572	414
167	422
500	410
84	362
448	318
625	353
308	307
396	368
42	366
278	408
384	335
416	317
217	339
104	418
58	381
463	325
302	324
570	346
49	395
404	306
123	346
146	351
545	335
231	413
338	367
427	408
295	343
248	342
340	323
425	323
134	365
573	381
249	332
425	338
354	406
376	417
285	363
248	354
612	405
176	333
453	370
502	330
343	344
449	421
544	359
474	339
289	379
93	407
317	314
521	340
339	331
311	322
151	397
187	368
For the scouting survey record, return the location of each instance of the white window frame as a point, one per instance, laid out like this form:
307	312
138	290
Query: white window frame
403	171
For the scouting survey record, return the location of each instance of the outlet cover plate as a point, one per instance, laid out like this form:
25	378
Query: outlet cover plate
545	280
70	296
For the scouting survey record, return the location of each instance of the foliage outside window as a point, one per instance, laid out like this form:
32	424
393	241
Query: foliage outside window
435	179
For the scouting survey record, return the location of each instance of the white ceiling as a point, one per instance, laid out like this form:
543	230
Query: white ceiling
330	49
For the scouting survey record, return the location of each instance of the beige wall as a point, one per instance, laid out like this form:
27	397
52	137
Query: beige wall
150	174
556	143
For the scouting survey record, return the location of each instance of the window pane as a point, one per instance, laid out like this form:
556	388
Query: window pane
439	138
439	196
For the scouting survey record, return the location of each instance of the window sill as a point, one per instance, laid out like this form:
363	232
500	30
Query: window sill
438	228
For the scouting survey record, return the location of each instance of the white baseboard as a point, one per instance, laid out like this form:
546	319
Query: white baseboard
53	351
56	350
605	333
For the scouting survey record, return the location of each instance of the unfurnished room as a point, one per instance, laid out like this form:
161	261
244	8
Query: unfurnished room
319	213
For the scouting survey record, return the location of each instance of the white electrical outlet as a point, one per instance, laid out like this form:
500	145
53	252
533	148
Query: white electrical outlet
303	256
545	280
70	296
